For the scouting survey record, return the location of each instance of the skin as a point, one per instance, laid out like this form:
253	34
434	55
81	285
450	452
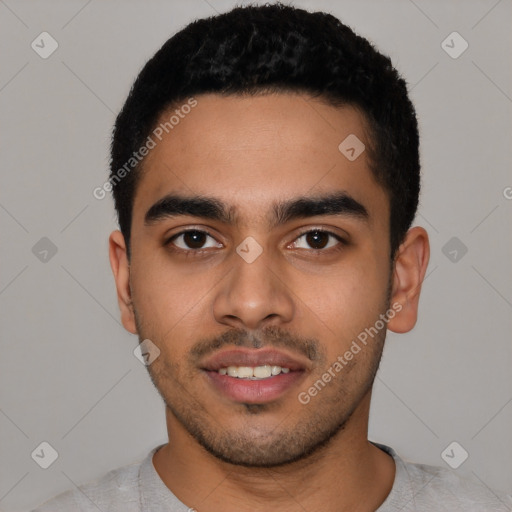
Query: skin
249	152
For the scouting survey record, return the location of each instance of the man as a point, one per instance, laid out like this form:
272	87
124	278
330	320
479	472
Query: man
265	171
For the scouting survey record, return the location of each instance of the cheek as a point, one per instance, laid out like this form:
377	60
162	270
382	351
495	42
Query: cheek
350	287
169	311
339	306
162	293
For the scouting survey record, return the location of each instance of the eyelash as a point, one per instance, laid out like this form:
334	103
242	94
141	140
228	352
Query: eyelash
197	252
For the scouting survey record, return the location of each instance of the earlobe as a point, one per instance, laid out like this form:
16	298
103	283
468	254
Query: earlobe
121	270
409	271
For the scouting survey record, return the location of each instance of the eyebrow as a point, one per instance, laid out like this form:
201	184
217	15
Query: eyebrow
334	204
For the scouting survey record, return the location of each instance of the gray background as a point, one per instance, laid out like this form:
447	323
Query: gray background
67	373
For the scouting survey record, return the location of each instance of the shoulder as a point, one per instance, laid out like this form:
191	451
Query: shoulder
434	484
118	487
422	488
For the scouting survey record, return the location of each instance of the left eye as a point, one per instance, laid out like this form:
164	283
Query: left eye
318	239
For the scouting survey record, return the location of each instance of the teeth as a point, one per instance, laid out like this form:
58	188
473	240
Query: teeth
276	370
233	371
262	372
244	372
248	372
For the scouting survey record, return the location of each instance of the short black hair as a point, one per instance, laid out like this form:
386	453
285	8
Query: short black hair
276	48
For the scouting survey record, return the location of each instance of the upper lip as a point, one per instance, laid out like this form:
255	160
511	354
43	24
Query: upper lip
253	358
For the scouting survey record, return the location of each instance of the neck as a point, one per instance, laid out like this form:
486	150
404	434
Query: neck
347	474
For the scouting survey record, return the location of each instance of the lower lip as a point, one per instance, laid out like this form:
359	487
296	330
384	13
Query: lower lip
254	391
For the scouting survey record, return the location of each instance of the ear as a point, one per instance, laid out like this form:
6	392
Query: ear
409	271
121	270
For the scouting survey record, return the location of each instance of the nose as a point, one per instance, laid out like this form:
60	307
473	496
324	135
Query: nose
253	295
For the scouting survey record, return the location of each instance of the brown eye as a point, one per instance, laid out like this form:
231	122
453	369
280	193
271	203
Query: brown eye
192	239
318	239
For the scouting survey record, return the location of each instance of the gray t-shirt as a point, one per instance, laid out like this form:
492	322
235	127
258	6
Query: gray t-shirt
417	487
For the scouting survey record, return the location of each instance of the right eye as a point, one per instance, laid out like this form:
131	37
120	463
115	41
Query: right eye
191	241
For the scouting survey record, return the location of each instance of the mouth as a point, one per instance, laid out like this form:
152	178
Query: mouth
254	376
254	373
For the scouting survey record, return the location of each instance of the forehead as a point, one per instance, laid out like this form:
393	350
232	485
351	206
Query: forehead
250	151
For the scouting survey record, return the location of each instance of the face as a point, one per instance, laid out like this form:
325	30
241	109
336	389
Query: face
257	244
